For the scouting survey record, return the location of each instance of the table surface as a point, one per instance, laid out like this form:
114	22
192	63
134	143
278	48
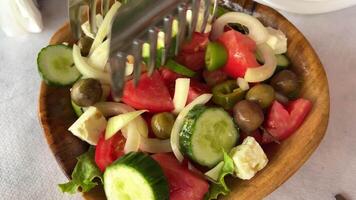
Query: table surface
28	170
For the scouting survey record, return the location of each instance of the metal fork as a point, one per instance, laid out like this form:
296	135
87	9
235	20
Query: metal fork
76	8
140	21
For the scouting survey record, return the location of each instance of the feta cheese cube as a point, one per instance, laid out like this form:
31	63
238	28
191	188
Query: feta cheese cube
89	125
249	158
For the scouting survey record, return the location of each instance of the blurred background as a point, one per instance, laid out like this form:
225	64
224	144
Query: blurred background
28	170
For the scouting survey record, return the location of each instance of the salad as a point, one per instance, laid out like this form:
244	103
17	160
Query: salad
204	115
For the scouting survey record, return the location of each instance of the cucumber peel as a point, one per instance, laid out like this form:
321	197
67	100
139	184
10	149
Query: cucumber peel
135	176
206	133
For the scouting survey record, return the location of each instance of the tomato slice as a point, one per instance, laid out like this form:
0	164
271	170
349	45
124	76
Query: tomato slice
107	151
192	53
151	94
169	76
299	110
215	77
198	42
284	121
194	61
183	183
241	53
196	89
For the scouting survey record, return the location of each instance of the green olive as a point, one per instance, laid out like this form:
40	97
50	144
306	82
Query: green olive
248	115
86	92
262	94
162	124
85	43
286	82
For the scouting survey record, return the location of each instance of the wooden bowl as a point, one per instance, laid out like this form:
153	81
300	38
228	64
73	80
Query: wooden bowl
56	114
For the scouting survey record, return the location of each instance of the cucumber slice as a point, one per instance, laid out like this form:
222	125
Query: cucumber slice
206	132
56	66
282	60
135	176
77	109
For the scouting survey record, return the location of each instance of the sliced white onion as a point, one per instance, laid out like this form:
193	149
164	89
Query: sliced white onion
180	94
202	99
153	145
133	138
105	26
277	40
257	31
87	70
86	26
118	122
112	108
265	71
100	56
214	173
243	84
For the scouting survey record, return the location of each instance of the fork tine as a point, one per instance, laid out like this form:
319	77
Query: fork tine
182	20
75	15
206	15
92	15
74	10
152	38
167	26
195	14
215	8
137	53
105	7
118	66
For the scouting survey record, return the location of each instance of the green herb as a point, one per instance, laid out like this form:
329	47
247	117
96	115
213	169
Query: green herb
83	174
220	187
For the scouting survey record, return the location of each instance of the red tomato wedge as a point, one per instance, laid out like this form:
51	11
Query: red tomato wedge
151	94
183	183
241	53
169	76
194	61
198	42
107	151
192	53
196	89
215	77
284	121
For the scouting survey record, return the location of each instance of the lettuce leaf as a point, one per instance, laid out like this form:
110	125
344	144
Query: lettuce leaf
220	187
83	174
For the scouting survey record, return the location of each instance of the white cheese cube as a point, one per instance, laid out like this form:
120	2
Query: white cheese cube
249	158
277	40
89	126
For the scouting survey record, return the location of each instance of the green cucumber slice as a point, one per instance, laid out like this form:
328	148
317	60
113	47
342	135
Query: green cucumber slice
135	176
56	66
206	132
179	69
77	109
215	56
282	60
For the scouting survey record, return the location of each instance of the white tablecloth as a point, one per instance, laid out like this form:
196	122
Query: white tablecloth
28	170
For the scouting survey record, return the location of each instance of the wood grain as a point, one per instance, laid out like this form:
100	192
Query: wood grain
56	114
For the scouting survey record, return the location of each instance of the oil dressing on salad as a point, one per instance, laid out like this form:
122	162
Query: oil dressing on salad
205	115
